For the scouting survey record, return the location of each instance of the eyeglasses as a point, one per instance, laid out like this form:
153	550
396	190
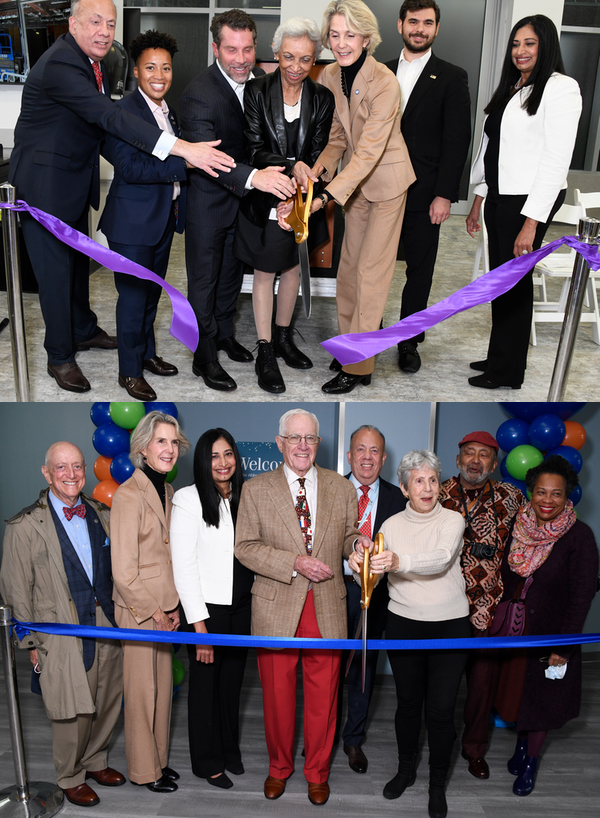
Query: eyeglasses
311	440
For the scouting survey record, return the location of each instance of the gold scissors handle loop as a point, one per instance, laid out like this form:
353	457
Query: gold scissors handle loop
368	579
298	218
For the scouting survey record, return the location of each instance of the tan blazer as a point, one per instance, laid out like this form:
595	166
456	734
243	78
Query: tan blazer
268	540
366	136
141	551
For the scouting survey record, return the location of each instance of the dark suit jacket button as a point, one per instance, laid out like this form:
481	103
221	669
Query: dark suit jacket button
93	615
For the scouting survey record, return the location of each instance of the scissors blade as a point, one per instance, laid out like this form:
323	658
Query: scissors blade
351	657
305	276
364	646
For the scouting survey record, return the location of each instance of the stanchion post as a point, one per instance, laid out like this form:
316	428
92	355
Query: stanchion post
24	799
588	232
14	293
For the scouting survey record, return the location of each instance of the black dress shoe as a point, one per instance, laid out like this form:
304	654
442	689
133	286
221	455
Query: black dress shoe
285	348
236	768
137	388
344	382
485	383
234	350
214	376
267	368
69	377
479	366
335	365
478	766
357	760
163	784
409	359
168	772
101	341
222	781
157	366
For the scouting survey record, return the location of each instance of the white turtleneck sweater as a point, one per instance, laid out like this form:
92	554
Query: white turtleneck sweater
429	585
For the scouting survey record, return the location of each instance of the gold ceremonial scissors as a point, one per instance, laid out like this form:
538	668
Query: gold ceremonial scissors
368	581
298	220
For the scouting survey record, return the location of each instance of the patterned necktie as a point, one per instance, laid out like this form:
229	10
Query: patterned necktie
303	512
362	507
98	75
76	510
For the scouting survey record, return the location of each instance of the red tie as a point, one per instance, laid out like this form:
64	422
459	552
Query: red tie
76	510
303	512
362	507
98	75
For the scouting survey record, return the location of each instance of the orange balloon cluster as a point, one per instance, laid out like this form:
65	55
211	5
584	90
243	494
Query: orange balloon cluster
575	435
102	467
105	490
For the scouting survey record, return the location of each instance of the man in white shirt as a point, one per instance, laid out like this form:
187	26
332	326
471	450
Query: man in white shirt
211	107
436	126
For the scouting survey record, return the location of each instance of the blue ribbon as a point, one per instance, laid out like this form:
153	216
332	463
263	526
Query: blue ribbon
278	642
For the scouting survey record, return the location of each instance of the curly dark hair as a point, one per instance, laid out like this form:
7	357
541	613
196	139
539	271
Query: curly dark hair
235	19
152	39
554	464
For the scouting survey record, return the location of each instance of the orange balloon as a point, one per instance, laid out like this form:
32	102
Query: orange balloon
102	467
575	435
104	491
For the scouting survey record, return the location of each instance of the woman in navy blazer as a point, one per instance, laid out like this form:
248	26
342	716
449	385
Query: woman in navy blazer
521	170
145	205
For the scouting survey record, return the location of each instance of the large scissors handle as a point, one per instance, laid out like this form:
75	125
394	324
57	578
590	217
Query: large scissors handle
298	218
368	579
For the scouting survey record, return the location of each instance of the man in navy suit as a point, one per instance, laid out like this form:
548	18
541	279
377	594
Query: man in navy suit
56	568
65	111
144	207
212	108
436	125
377	500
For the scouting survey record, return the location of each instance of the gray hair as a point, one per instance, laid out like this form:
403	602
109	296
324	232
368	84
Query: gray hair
368	428
144	432
297	27
418	459
359	19
75	7
284	419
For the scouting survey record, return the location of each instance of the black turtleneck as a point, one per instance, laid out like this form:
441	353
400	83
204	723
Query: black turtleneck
158	481
349	73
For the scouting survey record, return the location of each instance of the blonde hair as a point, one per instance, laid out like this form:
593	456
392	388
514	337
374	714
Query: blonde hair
144	432
359	19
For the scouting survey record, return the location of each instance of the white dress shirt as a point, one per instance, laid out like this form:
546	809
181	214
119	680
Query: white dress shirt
161	115
408	73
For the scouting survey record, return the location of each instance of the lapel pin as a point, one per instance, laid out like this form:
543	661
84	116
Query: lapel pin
357	91
433	76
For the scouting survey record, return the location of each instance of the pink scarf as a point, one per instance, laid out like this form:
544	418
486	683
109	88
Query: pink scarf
531	544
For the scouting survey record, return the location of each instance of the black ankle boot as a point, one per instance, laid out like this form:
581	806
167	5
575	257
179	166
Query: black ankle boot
267	369
285	348
438	808
405	777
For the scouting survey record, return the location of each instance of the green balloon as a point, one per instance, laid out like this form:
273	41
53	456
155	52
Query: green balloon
521	459
178	672
126	415
172	474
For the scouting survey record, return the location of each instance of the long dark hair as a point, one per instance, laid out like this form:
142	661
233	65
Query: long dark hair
549	60
210	497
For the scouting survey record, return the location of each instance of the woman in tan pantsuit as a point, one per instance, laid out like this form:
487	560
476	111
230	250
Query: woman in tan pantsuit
376	173
145	596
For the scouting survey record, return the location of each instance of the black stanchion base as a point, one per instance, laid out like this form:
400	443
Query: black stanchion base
44	800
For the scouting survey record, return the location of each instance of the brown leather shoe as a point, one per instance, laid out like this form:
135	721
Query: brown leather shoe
101	341
69	377
274	787
107	777
356	758
157	366
138	388
82	795
478	766
318	794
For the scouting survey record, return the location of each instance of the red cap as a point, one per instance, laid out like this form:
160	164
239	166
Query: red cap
484	438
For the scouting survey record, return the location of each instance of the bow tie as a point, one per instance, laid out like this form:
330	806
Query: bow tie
78	510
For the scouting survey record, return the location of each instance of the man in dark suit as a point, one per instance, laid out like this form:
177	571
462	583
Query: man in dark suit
144	208
56	567
212	108
65	110
436	125
377	500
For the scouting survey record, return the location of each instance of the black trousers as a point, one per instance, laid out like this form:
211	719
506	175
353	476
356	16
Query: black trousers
421	239
215	279
63	276
430	677
511	312
214	694
138	301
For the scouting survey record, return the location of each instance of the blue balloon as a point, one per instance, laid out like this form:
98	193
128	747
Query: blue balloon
166	407
513	432
570	454
503	470
529	411
520	484
547	432
575	495
121	467
110	439
100	413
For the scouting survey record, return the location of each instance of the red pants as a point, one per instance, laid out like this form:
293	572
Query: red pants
320	674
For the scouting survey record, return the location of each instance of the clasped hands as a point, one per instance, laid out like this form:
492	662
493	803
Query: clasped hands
301	173
382	563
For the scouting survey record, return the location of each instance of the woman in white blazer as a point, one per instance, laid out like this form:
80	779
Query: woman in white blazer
214	589
521	170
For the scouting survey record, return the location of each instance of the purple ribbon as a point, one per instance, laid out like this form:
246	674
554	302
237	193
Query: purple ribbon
358	346
184	327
